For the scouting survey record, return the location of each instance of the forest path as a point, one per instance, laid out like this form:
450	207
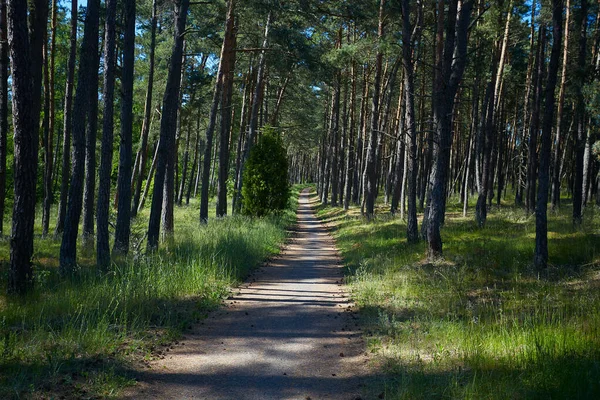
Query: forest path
287	333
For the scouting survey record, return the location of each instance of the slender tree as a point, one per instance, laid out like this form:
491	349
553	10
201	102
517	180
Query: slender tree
142	154
123	226
108	94
68	247
227	70
68	123
168	122
540	258
4	61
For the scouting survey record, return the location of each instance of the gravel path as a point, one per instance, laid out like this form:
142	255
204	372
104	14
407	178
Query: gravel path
287	333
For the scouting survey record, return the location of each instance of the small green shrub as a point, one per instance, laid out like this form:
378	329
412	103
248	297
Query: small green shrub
266	186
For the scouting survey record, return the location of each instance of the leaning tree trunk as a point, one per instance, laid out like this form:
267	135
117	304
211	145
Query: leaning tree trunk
142	154
68	247
108	94
123	226
228	53
68	123
26	67
540	258
4	61
168	122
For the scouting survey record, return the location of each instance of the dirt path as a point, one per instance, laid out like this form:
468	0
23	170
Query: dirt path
287	333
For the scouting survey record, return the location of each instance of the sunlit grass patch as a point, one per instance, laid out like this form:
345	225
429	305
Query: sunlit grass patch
482	323
85	336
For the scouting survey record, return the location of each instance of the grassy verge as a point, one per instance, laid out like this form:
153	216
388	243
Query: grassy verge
483	323
83	337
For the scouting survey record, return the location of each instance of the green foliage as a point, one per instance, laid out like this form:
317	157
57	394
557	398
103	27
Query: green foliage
266	186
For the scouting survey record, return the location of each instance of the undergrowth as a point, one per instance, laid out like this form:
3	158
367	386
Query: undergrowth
482	323
85	337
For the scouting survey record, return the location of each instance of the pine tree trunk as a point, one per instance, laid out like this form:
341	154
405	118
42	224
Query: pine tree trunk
68	247
369	175
4	62
142	154
123	225
26	67
89	195
540	258
68	123
560	108
228	53
455	52
106	155
581	137
168	123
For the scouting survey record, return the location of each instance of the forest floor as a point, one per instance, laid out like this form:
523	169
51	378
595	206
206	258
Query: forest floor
289	332
482	323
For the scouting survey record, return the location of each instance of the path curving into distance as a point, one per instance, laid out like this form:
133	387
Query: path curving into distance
287	333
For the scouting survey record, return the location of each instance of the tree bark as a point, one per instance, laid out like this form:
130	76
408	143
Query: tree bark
168	122
68	247
455	52
49	139
4	63
142	154
89	195
106	155
68	123
25	54
540	258
123	225
559	112
228	59
369	175
580	139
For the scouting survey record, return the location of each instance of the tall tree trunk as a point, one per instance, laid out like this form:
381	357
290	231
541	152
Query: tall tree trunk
106	155
455	52
334	128
559	111
580	139
369	175
123	225
168	122
49	139
350	156
228	53
68	123
26	67
4	61
532	163
195	162
540	258
412	229
89	195
142	154
88	52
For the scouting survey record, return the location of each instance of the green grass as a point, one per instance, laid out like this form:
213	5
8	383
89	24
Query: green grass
84	337
482	323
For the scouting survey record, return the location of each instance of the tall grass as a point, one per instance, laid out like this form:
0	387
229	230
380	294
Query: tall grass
82	336
483	323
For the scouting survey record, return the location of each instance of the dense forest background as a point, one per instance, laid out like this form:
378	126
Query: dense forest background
126	130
